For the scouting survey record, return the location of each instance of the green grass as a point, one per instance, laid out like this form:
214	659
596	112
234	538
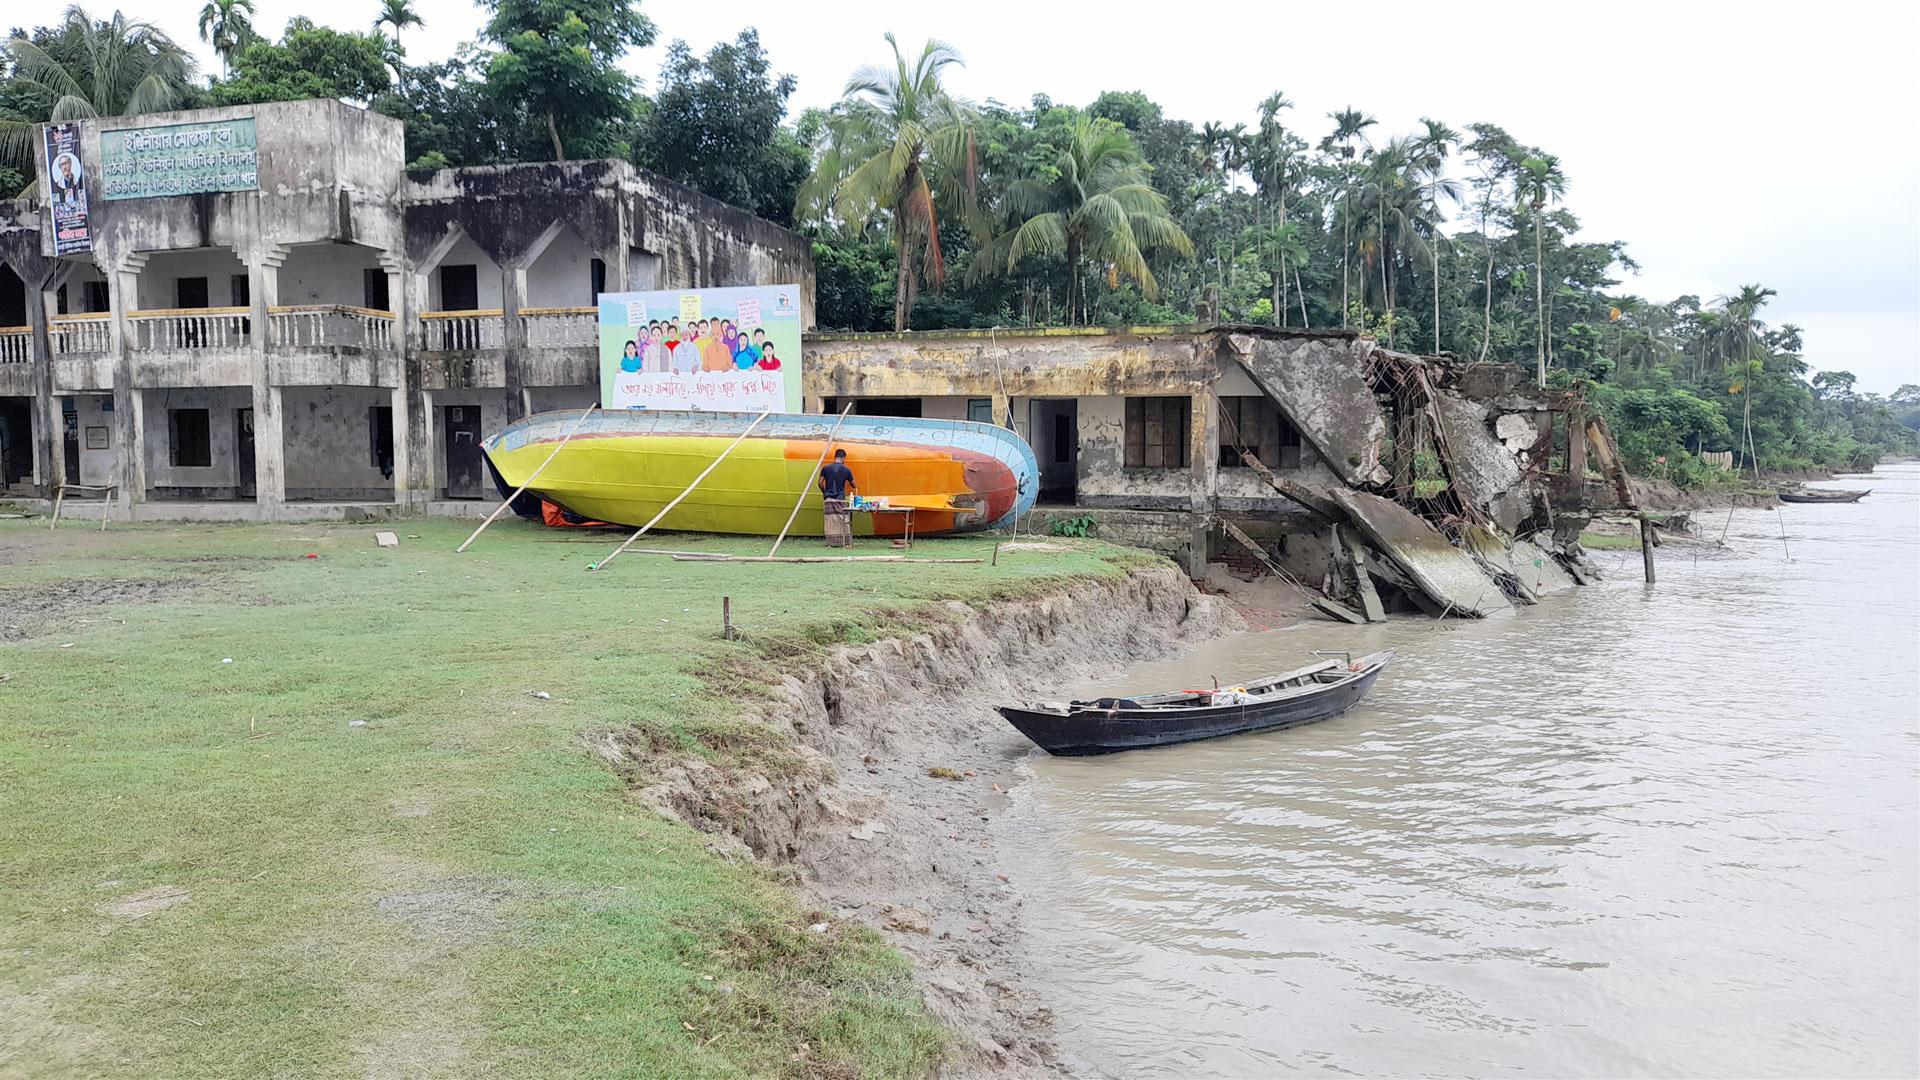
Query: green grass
1593	541
458	886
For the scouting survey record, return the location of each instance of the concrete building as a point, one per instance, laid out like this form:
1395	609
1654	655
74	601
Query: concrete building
331	329
1154	431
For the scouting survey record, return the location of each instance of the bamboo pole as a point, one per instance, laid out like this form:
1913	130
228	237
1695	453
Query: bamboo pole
808	486
742	437
531	477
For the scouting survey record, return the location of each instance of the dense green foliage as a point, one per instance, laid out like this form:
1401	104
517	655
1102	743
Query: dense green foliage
927	211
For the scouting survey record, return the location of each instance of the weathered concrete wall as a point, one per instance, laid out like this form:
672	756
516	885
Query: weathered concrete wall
159	282
96	466
216	480
327	274
497	408
329	443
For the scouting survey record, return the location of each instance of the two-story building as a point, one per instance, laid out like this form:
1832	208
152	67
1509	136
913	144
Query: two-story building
305	324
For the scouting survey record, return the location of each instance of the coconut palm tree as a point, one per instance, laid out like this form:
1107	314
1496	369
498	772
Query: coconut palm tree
1741	309
1284	245
1096	209
227	25
399	15
1349	127
895	139
1539	182
1430	150
119	67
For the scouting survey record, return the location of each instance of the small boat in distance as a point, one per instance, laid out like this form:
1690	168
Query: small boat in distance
624	466
1823	496
1107	725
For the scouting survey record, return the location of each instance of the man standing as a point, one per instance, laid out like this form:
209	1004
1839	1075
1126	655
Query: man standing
836	482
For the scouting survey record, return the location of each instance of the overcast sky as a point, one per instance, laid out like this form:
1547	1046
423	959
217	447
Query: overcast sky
1725	143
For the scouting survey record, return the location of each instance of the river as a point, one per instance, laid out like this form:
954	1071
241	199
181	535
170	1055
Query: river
1666	830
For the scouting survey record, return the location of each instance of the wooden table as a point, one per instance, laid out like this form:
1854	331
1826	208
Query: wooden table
906	513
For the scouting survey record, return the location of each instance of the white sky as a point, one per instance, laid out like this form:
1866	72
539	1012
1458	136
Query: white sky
1725	143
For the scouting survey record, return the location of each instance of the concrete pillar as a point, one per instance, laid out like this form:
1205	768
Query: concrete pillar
1204	445
139	402
123	291
269	423
403	488
1198	546
41	304
1003	409
427	468
1576	447
513	297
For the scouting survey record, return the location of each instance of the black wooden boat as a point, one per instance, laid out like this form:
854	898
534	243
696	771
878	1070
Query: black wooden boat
1823	496
1104	726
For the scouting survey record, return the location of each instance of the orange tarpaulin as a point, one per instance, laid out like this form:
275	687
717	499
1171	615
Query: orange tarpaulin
555	516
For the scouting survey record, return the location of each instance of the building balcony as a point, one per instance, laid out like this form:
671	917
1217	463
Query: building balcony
468	348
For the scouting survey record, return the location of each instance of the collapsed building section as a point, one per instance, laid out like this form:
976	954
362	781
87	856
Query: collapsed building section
1377	479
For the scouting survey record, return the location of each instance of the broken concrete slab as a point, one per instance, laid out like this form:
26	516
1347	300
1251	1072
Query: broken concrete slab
1538	570
1481	467
1356	566
1446	573
1511	426
386	539
1322	387
1491	549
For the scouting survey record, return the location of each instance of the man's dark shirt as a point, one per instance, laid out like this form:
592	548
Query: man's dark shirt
836	477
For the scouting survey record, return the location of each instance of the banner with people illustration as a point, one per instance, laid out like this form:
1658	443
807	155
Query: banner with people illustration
733	348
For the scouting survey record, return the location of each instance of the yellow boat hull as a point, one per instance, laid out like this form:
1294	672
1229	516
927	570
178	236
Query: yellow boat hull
625	467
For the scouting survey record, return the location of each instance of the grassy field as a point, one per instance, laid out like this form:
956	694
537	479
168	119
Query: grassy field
273	814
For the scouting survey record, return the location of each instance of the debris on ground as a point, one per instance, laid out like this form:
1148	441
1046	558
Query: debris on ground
386	540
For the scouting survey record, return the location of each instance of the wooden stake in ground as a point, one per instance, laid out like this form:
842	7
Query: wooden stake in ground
808	486
521	490
1646	545
742	437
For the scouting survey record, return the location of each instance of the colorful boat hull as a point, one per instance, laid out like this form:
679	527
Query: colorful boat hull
625	466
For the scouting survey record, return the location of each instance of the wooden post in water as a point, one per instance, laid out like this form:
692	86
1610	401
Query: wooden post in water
1646	545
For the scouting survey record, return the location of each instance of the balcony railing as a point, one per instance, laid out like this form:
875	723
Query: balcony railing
330	325
552	328
191	328
16	344
79	335
452	331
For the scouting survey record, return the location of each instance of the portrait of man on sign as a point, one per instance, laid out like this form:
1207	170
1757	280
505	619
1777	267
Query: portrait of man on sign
69	181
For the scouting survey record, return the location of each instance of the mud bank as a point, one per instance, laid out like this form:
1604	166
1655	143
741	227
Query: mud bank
1661	495
874	835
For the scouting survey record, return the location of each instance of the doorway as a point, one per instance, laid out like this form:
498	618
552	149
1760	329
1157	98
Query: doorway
1053	430
69	442
463	452
16	441
248	486
459	291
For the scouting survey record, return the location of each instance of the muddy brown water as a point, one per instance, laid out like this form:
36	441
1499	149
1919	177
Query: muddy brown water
1632	831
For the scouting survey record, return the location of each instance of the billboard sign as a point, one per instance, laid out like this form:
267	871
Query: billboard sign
733	348
67	184
180	159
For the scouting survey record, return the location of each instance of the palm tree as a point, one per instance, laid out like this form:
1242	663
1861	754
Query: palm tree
228	26
85	69
1741	310
1430	149
1096	207
1284	244
398	14
1349	126
1272	158
1540	181
895	137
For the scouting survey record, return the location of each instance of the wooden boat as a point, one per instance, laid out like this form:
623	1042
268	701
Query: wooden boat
1106	725
1823	496
623	466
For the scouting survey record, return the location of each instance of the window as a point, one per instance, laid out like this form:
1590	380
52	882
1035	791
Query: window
96	295
190	292
980	410
1255	424
598	273
373	287
1157	432
242	289
380	438
188	439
